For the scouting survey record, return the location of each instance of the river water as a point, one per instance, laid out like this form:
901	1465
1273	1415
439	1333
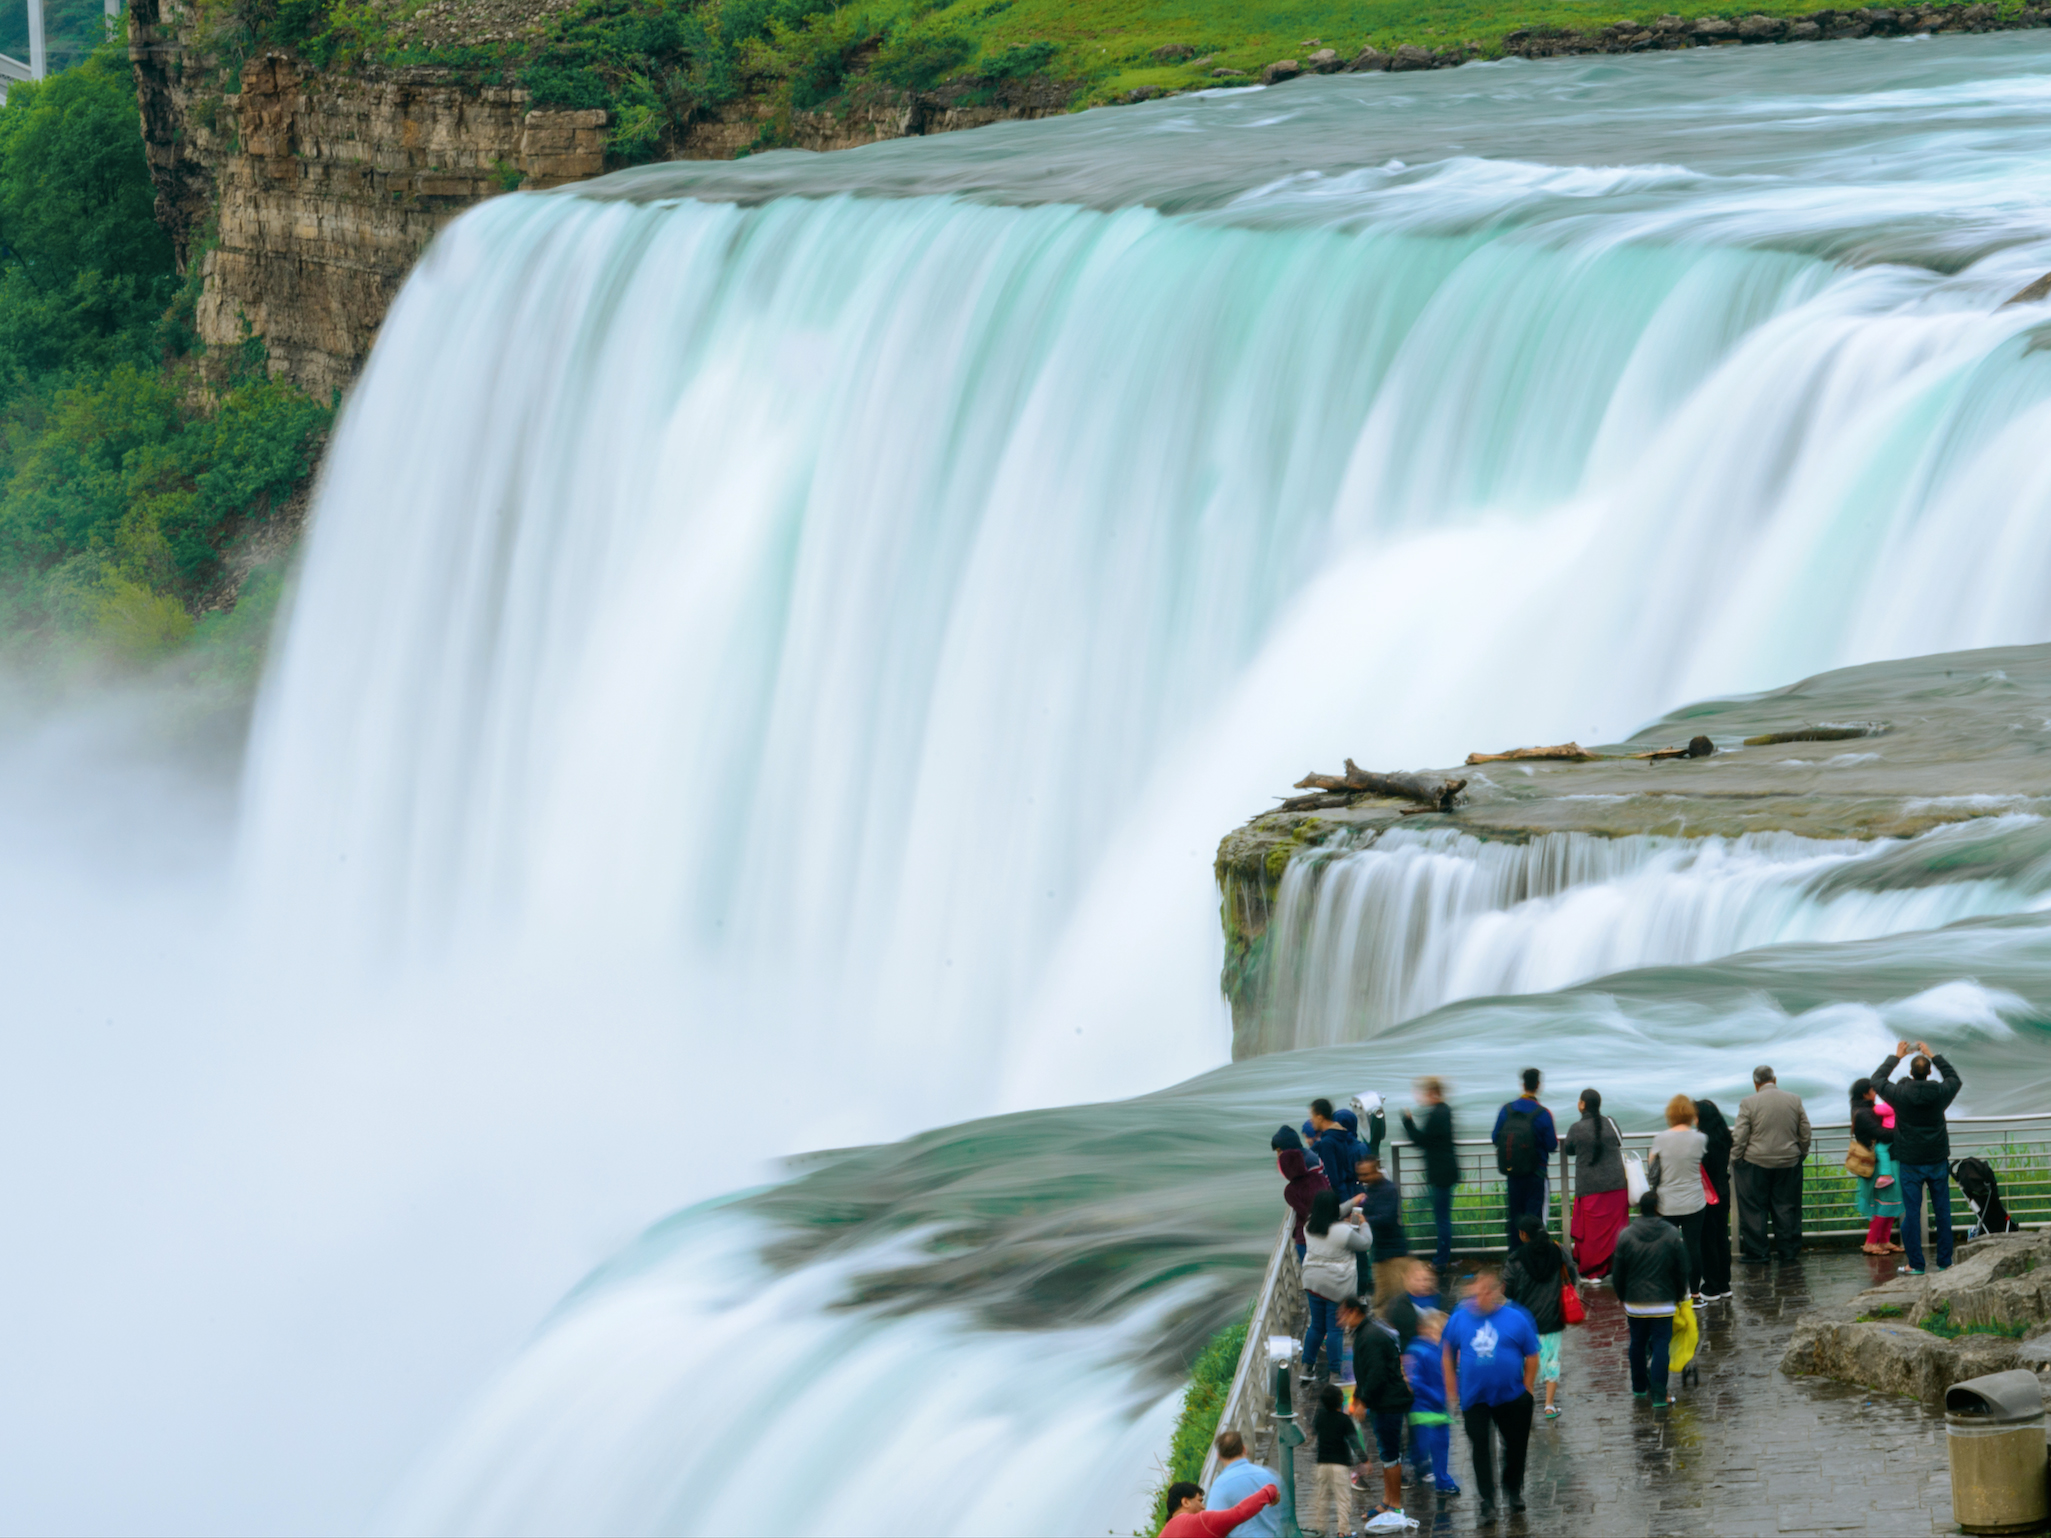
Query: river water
779	642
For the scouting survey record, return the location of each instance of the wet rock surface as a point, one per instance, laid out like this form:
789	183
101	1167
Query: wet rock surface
1883	1338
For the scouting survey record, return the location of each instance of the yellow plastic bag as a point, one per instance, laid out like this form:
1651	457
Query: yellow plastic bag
1685	1337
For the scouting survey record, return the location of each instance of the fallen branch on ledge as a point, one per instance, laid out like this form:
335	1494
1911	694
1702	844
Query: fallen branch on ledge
1566	753
1435	791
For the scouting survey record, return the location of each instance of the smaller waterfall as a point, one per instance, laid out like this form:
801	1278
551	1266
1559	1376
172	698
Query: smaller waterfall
1366	937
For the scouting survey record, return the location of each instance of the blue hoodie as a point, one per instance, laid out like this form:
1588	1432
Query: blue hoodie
1426	1370
1338	1151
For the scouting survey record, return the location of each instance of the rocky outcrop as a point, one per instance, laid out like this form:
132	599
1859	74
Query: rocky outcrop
304	196
1917	1336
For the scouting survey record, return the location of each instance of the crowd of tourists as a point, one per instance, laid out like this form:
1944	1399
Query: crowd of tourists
1399	1348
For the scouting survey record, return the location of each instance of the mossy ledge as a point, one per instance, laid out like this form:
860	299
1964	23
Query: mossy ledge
1947	739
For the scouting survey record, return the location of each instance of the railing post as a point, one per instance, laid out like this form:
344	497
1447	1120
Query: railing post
1566	1199
1288	1437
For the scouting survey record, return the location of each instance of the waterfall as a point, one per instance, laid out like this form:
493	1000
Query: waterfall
1364	939
868	587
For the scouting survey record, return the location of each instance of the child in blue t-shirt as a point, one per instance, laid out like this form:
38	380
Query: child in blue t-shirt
1431	1430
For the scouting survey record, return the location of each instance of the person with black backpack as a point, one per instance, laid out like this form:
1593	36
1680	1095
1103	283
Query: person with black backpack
1525	1140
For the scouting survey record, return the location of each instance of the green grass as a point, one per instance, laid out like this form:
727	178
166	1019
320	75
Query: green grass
1210	1380
1939	1322
657	66
1829	1195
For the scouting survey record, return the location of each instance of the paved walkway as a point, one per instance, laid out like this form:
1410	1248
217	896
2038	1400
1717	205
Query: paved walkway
1748	1451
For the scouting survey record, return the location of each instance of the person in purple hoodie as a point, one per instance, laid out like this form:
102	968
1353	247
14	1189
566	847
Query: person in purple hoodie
1304	1179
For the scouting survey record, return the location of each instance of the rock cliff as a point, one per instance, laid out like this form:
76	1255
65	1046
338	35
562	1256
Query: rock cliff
303	196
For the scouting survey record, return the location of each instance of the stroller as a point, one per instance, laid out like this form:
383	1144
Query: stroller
1976	1178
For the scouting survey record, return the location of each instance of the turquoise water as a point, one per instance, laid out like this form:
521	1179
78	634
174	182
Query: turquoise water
810	620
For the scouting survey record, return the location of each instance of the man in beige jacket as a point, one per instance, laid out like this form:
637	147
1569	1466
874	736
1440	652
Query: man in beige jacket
1768	1146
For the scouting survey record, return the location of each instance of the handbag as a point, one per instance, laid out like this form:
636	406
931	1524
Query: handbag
1571	1307
1860	1160
1635	1182
1708	1188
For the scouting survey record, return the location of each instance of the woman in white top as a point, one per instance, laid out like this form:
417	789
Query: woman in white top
1332	1234
1676	1173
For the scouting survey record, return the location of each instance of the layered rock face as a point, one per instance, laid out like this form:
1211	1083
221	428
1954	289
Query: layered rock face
1884	1338
305	196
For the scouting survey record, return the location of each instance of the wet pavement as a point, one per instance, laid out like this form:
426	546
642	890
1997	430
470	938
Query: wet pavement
1745	1451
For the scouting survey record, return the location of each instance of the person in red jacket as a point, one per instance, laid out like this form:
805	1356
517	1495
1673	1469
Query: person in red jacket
1188	1519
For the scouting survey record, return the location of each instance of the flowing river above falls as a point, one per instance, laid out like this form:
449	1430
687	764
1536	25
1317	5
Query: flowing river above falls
778	645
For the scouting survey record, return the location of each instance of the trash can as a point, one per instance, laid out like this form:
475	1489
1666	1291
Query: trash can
1994	1430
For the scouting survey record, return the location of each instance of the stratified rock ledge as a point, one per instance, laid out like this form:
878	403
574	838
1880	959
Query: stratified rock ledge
1879	1338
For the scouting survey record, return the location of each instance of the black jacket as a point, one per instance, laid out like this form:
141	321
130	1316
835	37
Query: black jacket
1383	1205
1919	1133
1868	1128
1337	1441
1716	1158
1531	1276
1651	1264
1435	1137
1378	1369
1401	1315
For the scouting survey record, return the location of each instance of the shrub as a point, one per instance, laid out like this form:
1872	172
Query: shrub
918	60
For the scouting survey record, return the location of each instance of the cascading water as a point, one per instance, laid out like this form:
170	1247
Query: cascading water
1367	938
781	641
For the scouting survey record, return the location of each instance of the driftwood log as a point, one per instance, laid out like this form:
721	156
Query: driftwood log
1566	753
1815	734
1698	747
1434	791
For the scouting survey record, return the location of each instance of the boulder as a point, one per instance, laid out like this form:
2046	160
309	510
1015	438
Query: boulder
1226	74
1804	32
1280	70
1670	24
1712	28
1899	1337
1761	29
1326	61
1173	53
1410	56
1369	57
1140	93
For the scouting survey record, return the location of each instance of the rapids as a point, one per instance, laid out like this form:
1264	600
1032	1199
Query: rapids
778	644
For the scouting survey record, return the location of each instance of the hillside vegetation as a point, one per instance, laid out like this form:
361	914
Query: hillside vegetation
657	65
136	475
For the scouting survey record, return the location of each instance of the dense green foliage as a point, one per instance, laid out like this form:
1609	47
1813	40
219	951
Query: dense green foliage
656	65
1210	1380
72	29
127	470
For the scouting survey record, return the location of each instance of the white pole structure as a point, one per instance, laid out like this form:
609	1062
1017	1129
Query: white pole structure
38	60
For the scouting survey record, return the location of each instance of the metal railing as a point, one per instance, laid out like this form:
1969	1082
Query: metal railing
2018	1148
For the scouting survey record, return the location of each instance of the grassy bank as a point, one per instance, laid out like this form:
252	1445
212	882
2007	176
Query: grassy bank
659	65
1210	1379
142	482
